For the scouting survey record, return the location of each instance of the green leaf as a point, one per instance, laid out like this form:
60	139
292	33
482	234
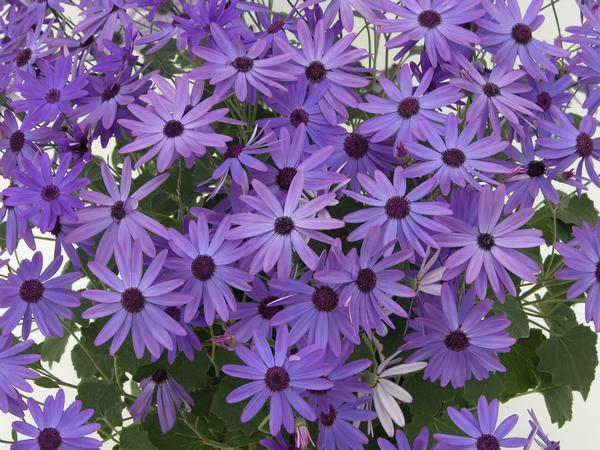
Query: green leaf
519	324
576	210
561	317
559	402
134	438
103	398
491	387
230	413
46	382
429	398
571	359
53	348
520	375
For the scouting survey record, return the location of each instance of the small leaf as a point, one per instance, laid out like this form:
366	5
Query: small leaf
134	438
519	324
577	210
520	375
46	382
53	348
103	398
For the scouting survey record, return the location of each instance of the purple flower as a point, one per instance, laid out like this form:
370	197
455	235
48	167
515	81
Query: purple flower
588	71
170	397
457	340
172	131
206	264
405	111
33	293
420	443
103	20
582	259
551	95
438	22
116	214
337	427
490	247
14	373
370	10
280	377
134	303
17	226
508	34
483	432
56	426
188	344
275	229
538	436
40	191
400	215
455	158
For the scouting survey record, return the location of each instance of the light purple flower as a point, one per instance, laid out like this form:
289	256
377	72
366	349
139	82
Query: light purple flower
15	373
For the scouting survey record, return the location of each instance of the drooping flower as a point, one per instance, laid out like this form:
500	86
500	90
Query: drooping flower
56	427
279	377
33	293
338	429
538	436
14	373
551	95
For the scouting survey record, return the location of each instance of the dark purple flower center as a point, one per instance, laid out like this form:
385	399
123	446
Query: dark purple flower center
242	64
491	90
267	311
429	18
356	145
457	341
277	379
275	26
408	107
160	376
584	145
17	141
53	96
110	92
49	439
203	267
325	299
117	210
366	280
453	157
285	177
328	418
536	169
173	129
544	100
521	33
283	225
174	312
50	192
487	442
31	291
234	150
401	151
23	56
132	300
298	116
315	72
397	207
598	271
486	241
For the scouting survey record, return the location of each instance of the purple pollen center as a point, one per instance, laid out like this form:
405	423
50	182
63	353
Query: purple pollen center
283	225
544	101
160	376
536	169
242	64
203	267
267	311
397	207
325	299
174	312
457	341
366	280
132	300
49	439
491	90
487	442
117	210
598	271
173	129
356	145
53	96
17	141
23	56
285	177
408	107
315	72
584	145
453	157
327	419
521	33
50	192
31	291
234	150
486	241
275	26
277	379
429	18
298	116
110	92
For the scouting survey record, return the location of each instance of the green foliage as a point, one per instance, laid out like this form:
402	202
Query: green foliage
53	348
134	438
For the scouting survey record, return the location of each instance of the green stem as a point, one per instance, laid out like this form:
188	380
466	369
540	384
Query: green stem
205	440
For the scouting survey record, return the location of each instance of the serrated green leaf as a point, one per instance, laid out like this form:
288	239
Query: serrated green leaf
559	401
53	348
230	413
491	387
103	398
429	398
519	324
46	382
134	438
576	210
520	375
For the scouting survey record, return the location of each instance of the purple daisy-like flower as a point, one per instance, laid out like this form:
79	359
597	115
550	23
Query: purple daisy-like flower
338	429
17	226
483	431
135	302
56	427
438	22
401	215
420	443
279	377
15	373
489	249
172	131
551	95
538	436
586	66
405	111
33	293
170	397
582	261
233	68
457	340
116	214
508	34
206	264
47	193
456	158
275	229
371	10
188	344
